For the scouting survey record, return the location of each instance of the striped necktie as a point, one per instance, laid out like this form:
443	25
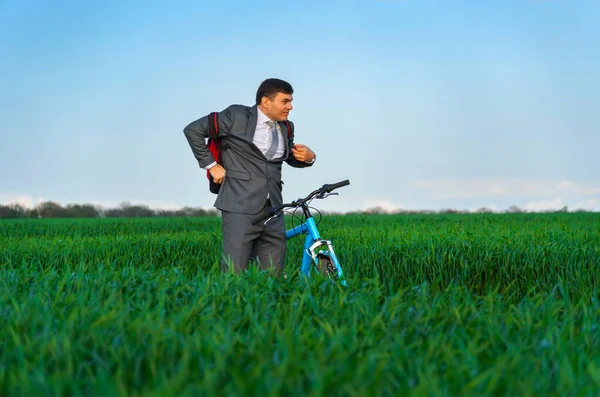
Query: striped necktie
274	143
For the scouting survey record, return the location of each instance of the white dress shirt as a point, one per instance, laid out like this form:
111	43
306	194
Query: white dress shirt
263	137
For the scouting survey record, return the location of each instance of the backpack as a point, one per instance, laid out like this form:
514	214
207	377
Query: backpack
216	146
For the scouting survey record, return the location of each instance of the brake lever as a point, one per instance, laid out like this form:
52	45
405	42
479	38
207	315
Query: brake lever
271	217
325	195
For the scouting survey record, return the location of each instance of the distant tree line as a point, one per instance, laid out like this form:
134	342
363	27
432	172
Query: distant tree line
50	209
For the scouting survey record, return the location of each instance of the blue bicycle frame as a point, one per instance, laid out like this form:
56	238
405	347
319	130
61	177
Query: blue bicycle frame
312	242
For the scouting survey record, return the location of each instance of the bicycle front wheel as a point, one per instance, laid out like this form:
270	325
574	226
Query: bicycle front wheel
326	267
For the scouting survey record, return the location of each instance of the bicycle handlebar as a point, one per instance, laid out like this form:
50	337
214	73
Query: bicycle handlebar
330	188
275	211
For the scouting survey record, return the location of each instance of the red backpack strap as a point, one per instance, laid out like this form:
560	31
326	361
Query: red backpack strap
213	125
290	130
214	142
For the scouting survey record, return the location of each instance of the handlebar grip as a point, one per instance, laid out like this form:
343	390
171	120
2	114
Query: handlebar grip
330	188
264	214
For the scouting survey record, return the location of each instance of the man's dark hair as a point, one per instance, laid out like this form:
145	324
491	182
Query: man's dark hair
270	88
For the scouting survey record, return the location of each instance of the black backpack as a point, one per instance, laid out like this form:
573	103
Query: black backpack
216	146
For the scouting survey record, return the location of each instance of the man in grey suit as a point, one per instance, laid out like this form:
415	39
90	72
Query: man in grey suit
255	145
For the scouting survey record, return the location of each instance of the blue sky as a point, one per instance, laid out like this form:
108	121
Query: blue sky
420	104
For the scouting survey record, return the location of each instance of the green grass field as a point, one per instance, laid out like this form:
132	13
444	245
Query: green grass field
481	305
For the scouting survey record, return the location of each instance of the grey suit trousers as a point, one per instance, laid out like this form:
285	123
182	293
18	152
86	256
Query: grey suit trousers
243	242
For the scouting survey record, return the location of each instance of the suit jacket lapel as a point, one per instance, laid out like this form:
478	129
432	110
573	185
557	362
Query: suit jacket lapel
251	128
284	132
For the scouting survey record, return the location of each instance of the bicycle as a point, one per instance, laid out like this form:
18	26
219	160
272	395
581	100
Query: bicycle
317	251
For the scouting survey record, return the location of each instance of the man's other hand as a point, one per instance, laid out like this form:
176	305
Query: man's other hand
218	173
303	153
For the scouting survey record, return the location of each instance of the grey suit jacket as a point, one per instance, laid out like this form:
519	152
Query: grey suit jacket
249	175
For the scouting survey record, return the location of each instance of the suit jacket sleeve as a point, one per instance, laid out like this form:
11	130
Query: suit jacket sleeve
291	160
197	132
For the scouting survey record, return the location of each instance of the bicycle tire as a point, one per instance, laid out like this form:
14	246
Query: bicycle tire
326	267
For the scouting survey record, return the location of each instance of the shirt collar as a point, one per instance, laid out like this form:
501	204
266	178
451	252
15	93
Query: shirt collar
261	117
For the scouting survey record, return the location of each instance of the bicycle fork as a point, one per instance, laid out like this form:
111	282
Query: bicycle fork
329	254
316	248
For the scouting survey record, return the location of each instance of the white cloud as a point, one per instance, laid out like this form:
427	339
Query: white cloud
589	205
555	203
577	188
384	204
152	204
489	207
503	187
23	200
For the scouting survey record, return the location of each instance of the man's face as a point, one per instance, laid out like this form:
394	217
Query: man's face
279	108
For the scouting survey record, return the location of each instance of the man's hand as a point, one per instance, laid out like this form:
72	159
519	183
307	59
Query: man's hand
218	173
303	153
